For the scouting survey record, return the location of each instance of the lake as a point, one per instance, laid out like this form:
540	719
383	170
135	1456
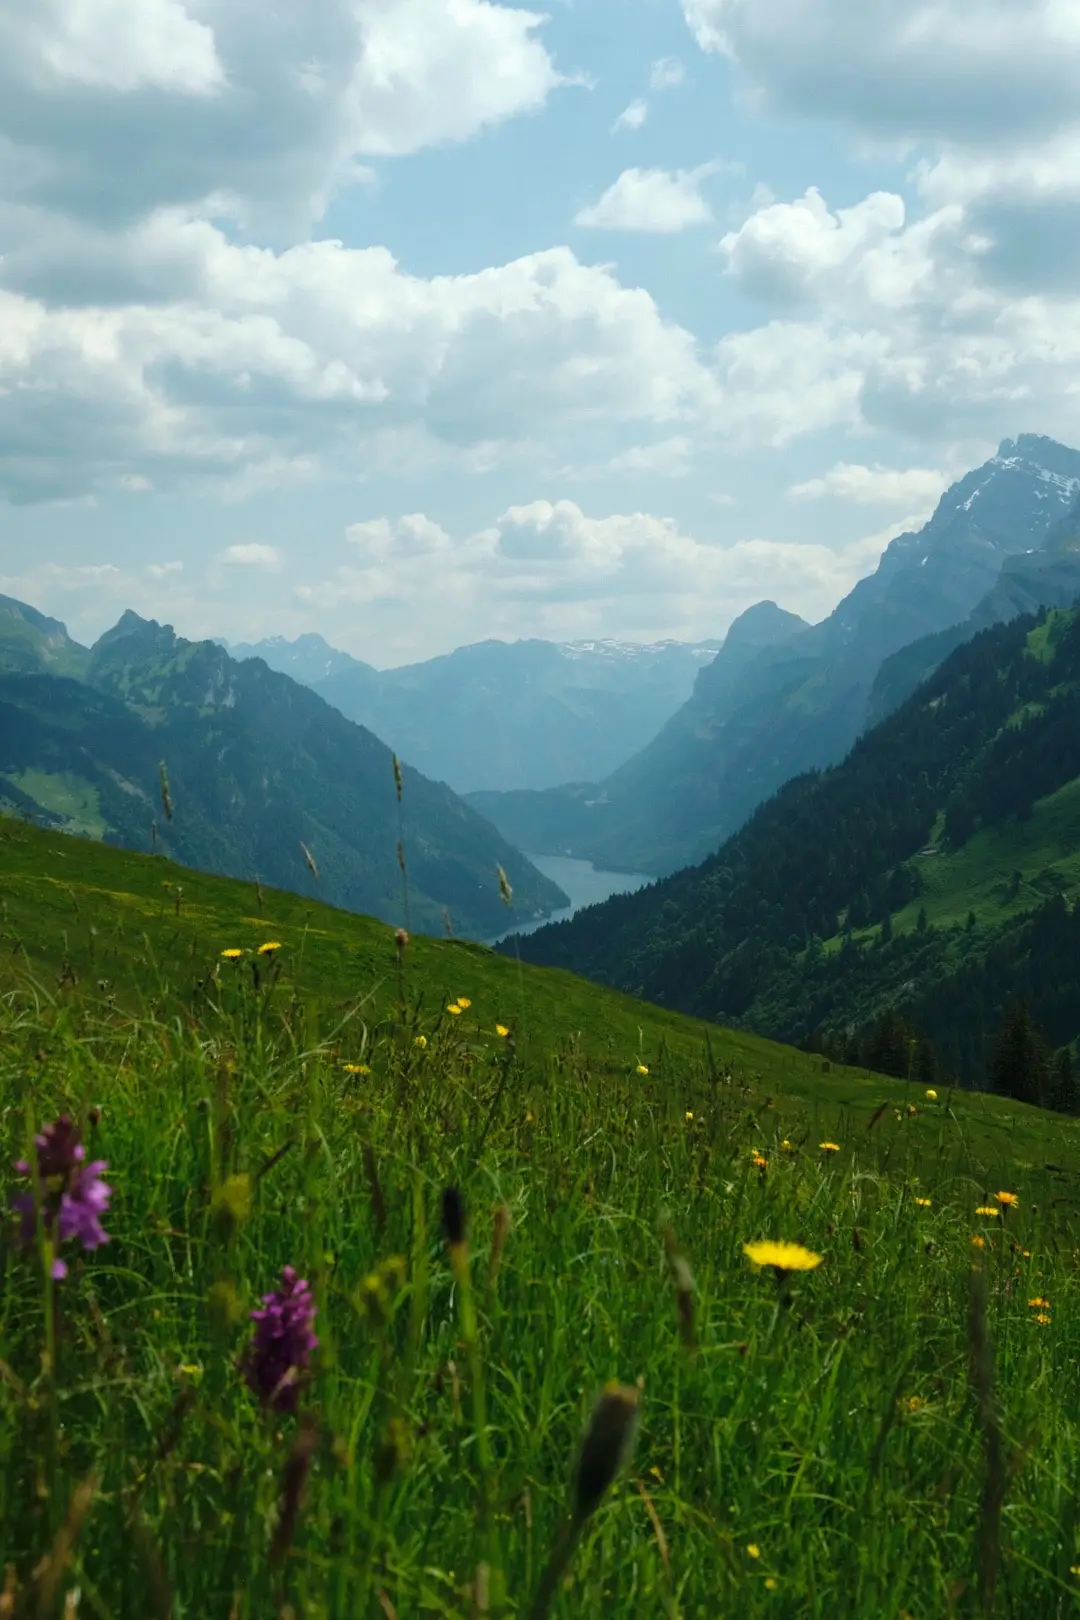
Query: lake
583	882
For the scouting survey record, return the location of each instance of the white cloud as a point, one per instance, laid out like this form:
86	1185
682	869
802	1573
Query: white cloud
666	458
251	555
784	251
267	109
651	200
163	570
668	73
632	116
873	486
984	72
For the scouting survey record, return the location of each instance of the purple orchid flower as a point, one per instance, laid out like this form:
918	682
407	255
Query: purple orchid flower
73	1195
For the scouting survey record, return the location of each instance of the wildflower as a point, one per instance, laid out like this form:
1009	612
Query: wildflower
455	1010
233	954
931	1094
829	1147
783	1257
910	1110
1039	1304
915	1403
924	1203
754	1550
1042	1319
642	1068
356	1068
786	1146
282	1342
689	1116
770	1583
978	1241
1007	1200
270	945
502	1031
73	1195
464	1003
760	1161
421	1042
988	1209
605	1448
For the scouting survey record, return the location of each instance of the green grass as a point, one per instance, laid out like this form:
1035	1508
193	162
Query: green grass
841	1435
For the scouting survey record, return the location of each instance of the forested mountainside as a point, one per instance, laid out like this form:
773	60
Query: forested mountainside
932	875
258	769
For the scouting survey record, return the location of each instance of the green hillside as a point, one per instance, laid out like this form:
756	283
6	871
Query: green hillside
259	769
809	1446
934	873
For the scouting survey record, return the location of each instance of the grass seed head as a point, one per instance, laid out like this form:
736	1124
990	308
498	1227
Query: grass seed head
605	1448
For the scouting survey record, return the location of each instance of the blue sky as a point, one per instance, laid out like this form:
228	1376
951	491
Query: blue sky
420	321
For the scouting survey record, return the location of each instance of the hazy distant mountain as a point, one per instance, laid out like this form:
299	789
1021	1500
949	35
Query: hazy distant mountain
258	767
802	699
523	714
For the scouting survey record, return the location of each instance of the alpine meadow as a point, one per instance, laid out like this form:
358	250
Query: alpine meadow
539	810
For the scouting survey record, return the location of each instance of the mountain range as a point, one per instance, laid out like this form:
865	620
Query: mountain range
933	874
503	715
783	697
259	769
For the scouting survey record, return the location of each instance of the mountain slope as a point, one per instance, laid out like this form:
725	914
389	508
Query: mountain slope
32	644
803	704
258	767
936	869
504	715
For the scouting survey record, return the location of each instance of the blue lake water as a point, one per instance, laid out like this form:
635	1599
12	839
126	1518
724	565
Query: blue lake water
585	884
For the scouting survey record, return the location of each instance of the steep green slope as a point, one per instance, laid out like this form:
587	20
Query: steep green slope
259	767
32	644
962	806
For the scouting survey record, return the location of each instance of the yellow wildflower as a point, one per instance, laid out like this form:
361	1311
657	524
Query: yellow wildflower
924	1203
786	1146
754	1550
770	1583
915	1403
1039	1304
271	945
1042	1319
782	1256
455	1009
232	954
911	1109
978	1241
931	1094
988	1209
1008	1199
464	1002
689	1116
643	1068
829	1147
421	1041
356	1068
760	1161
502	1031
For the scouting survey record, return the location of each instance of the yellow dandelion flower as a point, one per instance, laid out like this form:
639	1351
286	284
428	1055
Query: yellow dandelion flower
1039	1303
978	1242
232	954
1026	1253
464	1002
786	1146
502	1031
770	1583
689	1115
782	1256
1008	1200
829	1147
271	945
915	1403
356	1068
988	1209
643	1068
1074	1569
1042	1319
760	1161
931	1094
924	1203
421	1041
754	1550
455	1010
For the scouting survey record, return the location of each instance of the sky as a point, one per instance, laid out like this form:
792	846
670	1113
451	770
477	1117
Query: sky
418	322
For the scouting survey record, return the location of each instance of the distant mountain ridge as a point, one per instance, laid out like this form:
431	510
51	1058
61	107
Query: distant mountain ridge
504	715
802	700
259	766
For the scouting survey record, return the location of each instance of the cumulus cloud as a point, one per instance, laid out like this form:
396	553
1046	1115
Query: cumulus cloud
651	200
784	251
982	72
668	73
632	116
873	486
250	555
111	107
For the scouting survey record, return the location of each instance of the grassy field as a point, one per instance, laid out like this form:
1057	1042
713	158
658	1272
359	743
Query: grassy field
895	1432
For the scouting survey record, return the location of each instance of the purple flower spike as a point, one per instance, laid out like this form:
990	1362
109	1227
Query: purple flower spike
282	1342
73	1195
